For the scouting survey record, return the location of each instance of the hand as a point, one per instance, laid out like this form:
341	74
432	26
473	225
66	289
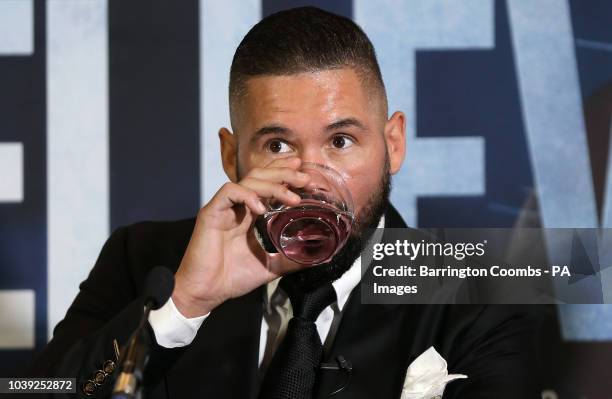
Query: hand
224	259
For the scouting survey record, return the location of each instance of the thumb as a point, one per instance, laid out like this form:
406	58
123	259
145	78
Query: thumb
279	265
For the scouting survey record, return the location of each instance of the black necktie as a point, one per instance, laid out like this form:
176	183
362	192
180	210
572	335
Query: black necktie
293	369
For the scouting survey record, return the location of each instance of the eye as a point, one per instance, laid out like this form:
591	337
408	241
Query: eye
277	146
340	141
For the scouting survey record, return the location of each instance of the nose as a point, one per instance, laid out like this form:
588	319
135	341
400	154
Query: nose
317	184
320	179
313	152
325	173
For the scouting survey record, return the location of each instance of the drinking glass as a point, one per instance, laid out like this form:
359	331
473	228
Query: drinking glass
313	231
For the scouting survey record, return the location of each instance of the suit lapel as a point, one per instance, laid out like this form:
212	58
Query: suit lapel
372	339
393	219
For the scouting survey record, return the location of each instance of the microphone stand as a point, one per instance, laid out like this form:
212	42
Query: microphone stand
158	289
129	382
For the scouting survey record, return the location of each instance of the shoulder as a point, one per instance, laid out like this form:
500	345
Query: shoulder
156	235
132	250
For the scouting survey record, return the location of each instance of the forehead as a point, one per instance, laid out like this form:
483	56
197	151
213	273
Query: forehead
306	98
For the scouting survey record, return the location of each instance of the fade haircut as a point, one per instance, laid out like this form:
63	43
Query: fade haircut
304	39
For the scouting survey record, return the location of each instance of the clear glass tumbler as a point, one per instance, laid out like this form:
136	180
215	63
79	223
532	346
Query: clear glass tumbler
314	231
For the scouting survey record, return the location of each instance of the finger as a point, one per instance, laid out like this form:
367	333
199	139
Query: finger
280	265
288	162
271	190
281	175
232	194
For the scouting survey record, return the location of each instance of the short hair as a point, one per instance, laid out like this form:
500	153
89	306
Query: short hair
304	39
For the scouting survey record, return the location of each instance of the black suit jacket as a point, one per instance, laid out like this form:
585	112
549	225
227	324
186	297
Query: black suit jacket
493	345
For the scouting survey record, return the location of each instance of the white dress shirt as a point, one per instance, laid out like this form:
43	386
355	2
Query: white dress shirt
173	330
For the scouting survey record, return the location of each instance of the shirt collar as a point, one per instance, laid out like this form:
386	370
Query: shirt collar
343	286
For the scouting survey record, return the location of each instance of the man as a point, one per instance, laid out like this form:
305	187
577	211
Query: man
305	86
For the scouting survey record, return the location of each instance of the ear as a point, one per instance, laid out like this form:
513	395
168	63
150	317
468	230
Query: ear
395	137
229	148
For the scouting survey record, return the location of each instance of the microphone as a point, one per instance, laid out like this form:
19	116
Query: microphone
158	287
157	290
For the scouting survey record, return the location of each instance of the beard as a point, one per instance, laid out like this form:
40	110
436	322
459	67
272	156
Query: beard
365	224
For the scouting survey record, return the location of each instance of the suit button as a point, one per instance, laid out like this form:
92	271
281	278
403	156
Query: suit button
99	377
89	388
108	367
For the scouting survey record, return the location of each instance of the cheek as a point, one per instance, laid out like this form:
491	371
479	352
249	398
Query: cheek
248	160
363	182
362	190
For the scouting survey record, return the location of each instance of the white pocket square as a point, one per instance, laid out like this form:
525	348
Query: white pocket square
427	376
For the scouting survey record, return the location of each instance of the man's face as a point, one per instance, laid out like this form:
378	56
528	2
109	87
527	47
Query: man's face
327	117
324	117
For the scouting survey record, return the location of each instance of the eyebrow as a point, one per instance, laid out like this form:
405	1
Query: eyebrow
344	123
272	129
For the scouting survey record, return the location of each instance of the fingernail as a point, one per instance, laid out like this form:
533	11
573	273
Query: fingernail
261	207
302	175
